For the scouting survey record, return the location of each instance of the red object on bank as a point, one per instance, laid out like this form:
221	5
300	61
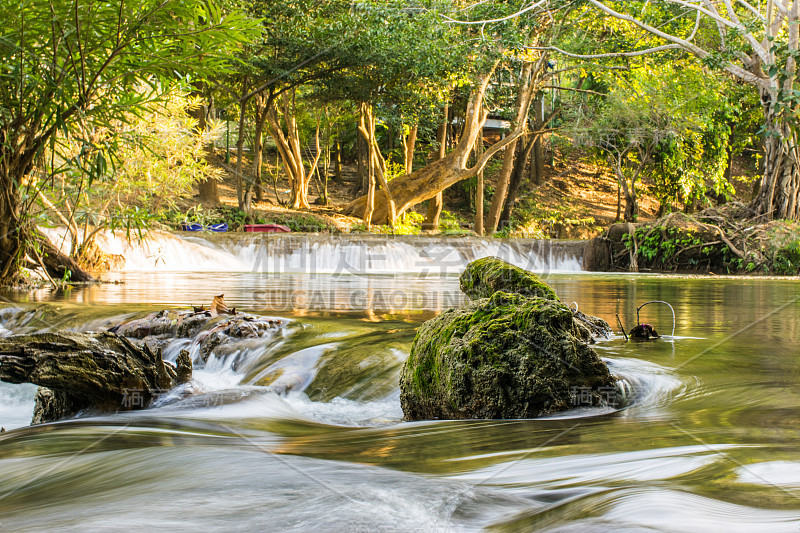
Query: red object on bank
266	228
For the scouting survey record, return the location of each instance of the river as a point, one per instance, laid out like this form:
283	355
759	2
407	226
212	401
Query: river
708	440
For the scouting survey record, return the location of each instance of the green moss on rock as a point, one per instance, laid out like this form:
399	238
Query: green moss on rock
484	277
506	356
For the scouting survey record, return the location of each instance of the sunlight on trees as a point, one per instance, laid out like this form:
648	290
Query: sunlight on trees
68	66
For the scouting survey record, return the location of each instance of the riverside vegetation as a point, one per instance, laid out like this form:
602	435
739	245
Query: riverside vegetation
329	115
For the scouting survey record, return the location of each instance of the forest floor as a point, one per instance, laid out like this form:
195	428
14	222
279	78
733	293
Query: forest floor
577	200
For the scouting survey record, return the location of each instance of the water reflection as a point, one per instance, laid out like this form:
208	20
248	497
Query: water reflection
709	443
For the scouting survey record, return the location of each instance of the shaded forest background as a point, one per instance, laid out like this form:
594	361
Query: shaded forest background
522	119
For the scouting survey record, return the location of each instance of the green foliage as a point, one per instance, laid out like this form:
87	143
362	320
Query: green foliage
401	227
72	72
133	220
659	242
150	159
205	217
667	121
302	223
449	223
394	169
787	259
106	60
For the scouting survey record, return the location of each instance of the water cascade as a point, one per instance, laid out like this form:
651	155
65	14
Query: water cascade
300	428
326	253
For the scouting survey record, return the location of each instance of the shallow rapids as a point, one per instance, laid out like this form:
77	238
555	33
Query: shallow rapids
303	430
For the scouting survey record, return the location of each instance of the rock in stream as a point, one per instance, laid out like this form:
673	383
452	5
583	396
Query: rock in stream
515	351
77	372
122	369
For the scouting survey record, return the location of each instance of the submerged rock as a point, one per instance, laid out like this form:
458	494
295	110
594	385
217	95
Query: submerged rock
100	372
644	332
508	355
208	331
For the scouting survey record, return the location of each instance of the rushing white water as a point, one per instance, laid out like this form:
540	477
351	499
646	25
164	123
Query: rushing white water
337	254
302	429
16	404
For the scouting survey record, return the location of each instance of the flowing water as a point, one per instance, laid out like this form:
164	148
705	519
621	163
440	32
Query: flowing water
708	440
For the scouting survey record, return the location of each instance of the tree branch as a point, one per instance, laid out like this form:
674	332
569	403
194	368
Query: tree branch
586	91
610	54
736	70
490	21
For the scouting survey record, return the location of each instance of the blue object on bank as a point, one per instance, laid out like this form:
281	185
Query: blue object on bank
194	226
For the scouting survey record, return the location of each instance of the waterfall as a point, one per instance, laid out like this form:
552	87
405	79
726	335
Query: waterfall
327	253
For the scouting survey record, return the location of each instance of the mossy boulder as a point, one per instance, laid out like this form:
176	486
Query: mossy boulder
484	277
515	351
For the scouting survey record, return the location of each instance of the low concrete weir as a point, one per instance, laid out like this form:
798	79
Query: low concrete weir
328	253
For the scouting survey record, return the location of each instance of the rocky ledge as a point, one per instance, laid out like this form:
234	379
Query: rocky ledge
123	369
78	372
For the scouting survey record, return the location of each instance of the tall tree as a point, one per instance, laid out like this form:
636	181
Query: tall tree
655	121
756	43
526	88
491	33
67	63
420	185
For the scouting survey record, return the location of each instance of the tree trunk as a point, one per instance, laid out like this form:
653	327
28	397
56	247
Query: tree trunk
524	94
369	209
617	162
375	163
300	190
208	187
516	180
425	183
537	156
239	154
437	202
258	148
86	371
11	237
631	206
435	205
337	160
779	196
58	265
313	173
209	193
362	175
479	187
326	163
409	144
288	143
